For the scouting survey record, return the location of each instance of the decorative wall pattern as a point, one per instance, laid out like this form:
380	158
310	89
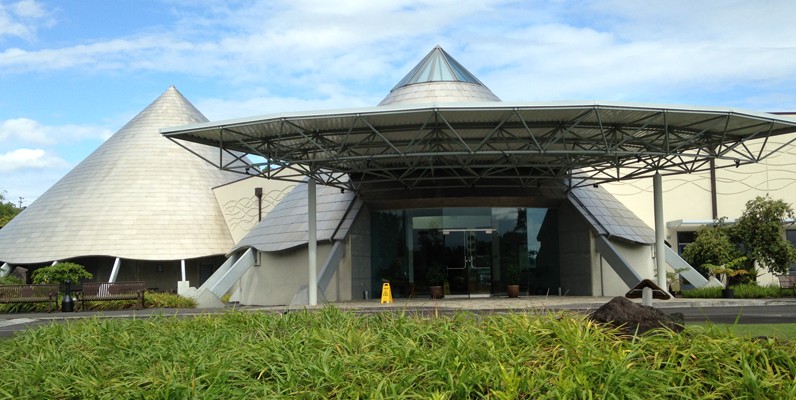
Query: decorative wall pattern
243	213
688	197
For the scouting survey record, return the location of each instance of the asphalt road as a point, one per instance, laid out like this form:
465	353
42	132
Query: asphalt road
744	315
9	327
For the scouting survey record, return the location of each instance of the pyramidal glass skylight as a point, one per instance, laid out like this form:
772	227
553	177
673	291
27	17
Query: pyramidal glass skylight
438	66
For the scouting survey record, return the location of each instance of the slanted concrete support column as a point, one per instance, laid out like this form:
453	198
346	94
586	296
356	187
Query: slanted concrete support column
660	245
312	243
182	269
115	271
5	270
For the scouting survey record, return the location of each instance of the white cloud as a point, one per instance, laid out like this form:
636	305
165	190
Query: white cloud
29	183
20	159
29	9
744	23
23	18
311	52
262	40
220	109
639	56
31	131
26	130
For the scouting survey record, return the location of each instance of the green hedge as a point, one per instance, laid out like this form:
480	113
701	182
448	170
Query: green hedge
744	291
151	300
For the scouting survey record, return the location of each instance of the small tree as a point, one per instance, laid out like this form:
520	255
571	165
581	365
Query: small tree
711	246
60	273
729	270
760	233
8	210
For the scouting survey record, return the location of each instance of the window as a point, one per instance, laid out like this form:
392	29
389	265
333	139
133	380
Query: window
684	239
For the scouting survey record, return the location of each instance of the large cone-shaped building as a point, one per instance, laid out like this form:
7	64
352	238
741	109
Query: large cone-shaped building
139	196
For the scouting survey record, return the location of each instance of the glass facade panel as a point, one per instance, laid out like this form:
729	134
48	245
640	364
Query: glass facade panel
469	251
791	236
466	218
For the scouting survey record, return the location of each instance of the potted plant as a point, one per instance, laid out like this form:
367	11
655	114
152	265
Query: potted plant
728	271
436	279
513	277
673	280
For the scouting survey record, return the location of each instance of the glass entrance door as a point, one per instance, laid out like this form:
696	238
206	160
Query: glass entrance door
469	261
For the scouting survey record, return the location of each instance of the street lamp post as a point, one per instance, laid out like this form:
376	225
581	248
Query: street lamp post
259	193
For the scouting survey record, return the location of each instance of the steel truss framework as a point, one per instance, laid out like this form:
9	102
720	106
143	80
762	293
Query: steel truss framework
489	144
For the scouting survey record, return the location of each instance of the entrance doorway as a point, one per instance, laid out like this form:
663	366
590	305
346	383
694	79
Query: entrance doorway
469	261
471	252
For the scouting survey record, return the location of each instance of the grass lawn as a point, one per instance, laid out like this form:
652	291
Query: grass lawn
336	354
779	331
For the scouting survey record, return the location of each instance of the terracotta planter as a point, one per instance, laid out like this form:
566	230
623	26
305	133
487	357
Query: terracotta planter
436	292
513	290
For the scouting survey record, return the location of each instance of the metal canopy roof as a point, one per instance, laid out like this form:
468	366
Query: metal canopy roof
490	144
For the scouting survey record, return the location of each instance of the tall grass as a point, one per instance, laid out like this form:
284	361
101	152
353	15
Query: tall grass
336	354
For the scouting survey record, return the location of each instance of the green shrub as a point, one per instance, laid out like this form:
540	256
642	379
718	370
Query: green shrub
151	300
167	300
758	234
60	273
712	245
20	308
744	291
10	280
761	232
17	308
752	291
107	305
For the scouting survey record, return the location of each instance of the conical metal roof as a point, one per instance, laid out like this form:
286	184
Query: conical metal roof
438	78
138	196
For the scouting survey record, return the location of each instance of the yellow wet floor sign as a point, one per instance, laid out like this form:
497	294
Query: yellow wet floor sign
386	293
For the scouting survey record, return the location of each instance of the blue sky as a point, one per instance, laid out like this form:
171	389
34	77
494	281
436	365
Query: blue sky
74	72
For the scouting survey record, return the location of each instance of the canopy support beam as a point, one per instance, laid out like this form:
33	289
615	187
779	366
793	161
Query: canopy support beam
660	245
312	243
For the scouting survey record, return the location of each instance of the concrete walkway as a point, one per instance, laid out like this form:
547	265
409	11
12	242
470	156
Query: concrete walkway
551	303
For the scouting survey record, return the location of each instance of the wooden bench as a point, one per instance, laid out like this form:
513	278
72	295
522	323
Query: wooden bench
11	294
105	291
787	281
